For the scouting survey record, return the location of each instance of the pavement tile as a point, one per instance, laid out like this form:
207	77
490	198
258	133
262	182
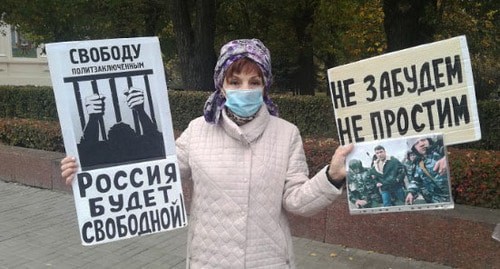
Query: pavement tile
38	229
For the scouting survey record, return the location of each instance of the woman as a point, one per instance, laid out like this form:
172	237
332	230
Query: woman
247	167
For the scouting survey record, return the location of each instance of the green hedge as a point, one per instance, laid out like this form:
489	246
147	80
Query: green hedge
27	102
475	176
28	118
30	133
313	115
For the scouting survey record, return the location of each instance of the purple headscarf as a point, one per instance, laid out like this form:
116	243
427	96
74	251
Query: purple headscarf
253	49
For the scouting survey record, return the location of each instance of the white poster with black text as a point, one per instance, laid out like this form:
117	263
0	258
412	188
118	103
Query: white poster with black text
113	108
402	109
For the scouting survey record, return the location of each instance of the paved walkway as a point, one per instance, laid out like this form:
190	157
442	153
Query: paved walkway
38	229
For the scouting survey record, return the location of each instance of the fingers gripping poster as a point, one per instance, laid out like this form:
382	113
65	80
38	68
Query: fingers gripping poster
115	119
401	109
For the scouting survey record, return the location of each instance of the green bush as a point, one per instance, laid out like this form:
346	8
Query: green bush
313	115
29	133
475	176
28	118
30	102
185	106
307	112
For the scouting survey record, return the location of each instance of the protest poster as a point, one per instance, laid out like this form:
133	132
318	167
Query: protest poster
424	93
420	90
399	174
113	108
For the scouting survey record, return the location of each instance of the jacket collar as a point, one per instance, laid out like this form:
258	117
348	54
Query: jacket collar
248	132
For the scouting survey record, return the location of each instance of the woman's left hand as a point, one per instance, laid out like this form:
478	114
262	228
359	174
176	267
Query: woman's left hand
337	169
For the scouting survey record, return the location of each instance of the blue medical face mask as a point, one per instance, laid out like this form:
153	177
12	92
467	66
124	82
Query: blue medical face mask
244	103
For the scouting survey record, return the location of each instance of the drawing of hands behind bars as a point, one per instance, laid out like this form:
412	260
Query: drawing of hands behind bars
135	100
95	107
122	143
94	104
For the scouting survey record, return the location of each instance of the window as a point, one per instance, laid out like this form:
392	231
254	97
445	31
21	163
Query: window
21	46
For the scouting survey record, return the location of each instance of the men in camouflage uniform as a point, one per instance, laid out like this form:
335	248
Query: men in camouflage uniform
362	190
430	177
410	164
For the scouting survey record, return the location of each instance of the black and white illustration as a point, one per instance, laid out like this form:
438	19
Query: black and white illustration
113	108
402	174
117	119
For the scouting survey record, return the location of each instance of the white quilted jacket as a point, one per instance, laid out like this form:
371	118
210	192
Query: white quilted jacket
244	178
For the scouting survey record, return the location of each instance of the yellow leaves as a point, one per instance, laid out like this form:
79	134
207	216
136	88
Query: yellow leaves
332	255
491	14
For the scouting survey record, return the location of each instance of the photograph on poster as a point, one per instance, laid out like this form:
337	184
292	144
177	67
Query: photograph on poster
401	174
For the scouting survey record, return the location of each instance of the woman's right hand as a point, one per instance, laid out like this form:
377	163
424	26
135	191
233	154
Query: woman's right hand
69	167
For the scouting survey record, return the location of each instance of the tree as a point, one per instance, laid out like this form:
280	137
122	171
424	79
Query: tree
405	25
345	31
195	40
285	27
305	37
302	21
46	21
479	22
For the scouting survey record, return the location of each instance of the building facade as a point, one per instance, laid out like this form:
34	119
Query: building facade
21	61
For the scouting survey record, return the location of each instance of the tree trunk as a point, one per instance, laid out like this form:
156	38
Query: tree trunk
305	79
405	25
195	43
305	76
154	12
329	60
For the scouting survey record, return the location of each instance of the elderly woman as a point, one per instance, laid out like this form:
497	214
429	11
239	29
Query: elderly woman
248	168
